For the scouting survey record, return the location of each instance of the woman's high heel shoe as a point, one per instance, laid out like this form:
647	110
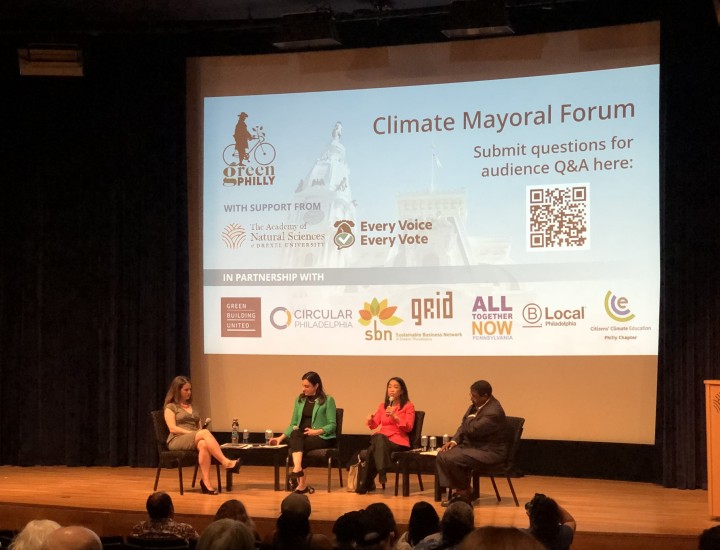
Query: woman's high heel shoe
205	490
231	464
294	476
382	477
292	482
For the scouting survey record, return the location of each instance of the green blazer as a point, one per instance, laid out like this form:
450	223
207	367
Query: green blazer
323	416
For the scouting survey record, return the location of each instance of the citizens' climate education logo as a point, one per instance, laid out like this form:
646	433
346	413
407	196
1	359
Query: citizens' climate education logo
344	237
378	312
616	308
233	235
250	158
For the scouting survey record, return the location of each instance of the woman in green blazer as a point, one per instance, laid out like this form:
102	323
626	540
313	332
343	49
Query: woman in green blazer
312	427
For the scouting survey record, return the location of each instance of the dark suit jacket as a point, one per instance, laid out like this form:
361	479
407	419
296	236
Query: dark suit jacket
486	430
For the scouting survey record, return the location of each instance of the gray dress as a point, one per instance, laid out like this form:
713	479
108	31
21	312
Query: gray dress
183	419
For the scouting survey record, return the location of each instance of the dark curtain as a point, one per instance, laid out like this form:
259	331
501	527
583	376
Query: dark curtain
689	347
93	255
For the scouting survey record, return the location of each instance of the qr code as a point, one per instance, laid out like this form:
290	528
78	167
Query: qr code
558	217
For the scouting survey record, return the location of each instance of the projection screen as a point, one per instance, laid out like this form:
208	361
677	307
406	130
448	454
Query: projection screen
440	212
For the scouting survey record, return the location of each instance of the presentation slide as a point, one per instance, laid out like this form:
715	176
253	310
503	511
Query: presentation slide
452	219
460	215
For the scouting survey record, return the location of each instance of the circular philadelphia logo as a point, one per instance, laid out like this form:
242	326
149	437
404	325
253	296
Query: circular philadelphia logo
280	318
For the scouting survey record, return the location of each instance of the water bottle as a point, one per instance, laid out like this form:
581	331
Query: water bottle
235	428
246	437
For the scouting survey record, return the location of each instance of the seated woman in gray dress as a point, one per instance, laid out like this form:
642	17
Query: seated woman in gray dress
186	431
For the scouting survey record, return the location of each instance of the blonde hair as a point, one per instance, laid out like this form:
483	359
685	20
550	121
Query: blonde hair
34	534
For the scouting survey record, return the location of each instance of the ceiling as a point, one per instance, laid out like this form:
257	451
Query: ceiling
256	23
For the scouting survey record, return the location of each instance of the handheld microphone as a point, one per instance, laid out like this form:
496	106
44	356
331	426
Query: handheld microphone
390	402
207	422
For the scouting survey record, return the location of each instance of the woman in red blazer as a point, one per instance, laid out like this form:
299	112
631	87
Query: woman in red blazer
395	417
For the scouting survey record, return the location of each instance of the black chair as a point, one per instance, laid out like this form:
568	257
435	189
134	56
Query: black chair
174	459
321	457
150	543
504	469
113	542
6	537
415	437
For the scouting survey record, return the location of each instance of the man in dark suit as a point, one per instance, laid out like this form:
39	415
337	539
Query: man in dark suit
480	439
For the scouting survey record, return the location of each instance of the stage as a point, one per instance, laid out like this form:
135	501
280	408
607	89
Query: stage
610	514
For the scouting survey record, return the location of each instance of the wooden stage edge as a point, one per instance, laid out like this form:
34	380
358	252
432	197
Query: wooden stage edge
610	514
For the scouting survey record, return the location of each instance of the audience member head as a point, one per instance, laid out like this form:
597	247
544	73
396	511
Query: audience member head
457	521
481	387
544	517
73	537
234	509
424	521
347	530
500	538
33	534
710	539
226	534
377	527
174	393
297	504
293	526
160	506
291	530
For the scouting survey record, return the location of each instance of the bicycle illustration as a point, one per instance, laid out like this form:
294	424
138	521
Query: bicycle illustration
263	151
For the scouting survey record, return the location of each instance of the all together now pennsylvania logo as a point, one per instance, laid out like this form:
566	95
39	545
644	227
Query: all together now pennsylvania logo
249	159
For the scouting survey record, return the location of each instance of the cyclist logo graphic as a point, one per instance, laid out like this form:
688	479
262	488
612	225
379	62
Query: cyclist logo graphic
242	151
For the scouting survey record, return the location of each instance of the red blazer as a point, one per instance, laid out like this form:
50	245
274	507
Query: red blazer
395	431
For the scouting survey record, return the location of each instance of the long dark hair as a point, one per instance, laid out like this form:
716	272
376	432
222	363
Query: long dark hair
234	509
314	379
292	531
424	521
544	517
173	394
404	398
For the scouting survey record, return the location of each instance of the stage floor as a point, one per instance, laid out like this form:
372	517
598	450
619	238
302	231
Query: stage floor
609	514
